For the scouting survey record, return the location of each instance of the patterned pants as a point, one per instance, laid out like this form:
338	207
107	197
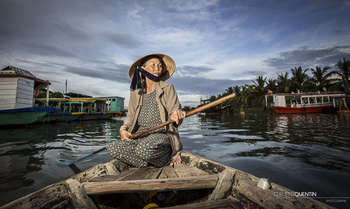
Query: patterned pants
153	149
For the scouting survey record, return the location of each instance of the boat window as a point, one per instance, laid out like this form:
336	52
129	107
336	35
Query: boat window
305	100
319	100
312	100
325	99
288	101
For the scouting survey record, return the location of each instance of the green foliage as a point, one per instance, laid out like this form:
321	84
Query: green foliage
299	79
344	72
187	108
254	95
57	94
319	79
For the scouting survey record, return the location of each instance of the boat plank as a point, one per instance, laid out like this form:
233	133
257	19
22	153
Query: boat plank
267	198
143	173
78	195
119	177
187	183
224	185
224	204
96	171
55	194
168	172
131	174
189	171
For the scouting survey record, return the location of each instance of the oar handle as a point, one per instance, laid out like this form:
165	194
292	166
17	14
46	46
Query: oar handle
195	111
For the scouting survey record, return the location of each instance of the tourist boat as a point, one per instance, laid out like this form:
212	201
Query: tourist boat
196	183
19	105
303	102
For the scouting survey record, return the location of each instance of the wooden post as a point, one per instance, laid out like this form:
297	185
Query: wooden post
47	95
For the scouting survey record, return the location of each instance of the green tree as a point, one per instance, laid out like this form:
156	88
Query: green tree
320	78
283	83
299	78
344	73
272	85
259	90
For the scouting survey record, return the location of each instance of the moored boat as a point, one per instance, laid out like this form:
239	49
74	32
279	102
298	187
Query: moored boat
19	105
303	102
196	183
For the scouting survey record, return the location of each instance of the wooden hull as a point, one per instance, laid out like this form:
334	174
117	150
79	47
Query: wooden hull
316	109
23	116
196	183
26	116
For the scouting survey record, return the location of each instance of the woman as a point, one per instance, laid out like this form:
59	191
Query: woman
152	102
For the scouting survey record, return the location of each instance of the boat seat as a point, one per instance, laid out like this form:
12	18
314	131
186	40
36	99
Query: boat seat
149	185
152	173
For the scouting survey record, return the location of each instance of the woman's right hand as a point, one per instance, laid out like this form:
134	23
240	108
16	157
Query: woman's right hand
125	135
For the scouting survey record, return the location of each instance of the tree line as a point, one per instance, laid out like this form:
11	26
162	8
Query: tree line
297	80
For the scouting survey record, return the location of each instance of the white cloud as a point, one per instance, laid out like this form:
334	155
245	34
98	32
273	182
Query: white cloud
175	37
188	5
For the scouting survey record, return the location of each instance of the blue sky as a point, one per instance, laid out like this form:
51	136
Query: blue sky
215	43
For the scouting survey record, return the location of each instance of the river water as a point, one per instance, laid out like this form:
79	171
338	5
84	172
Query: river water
306	153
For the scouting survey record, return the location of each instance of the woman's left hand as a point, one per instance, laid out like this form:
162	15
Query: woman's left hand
176	160
178	116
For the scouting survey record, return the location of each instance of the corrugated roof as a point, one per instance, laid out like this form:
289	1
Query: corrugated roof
11	71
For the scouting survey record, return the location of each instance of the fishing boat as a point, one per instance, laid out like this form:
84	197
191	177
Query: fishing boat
195	183
303	102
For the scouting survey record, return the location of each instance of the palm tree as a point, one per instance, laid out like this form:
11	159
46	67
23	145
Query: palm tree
228	91
259	89
344	73
320	78
242	93
283	83
271	84
299	78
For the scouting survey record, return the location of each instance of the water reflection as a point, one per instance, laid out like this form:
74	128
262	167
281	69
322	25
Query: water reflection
29	156
297	151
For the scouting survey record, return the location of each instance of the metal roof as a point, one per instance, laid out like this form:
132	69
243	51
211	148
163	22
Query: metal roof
11	71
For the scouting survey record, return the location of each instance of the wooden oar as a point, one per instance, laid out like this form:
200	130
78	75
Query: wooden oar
80	159
188	114
133	136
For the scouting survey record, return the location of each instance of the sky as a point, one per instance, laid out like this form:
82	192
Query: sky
215	43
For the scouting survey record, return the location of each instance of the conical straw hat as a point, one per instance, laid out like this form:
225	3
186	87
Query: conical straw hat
168	62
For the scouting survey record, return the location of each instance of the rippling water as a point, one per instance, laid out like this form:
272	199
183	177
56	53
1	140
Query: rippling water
308	153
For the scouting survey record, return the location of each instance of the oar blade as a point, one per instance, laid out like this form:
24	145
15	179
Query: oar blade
66	163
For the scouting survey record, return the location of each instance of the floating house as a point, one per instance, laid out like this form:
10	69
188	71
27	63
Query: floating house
17	87
19	105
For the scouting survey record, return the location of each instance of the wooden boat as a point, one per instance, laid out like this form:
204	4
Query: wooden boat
196	183
303	102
